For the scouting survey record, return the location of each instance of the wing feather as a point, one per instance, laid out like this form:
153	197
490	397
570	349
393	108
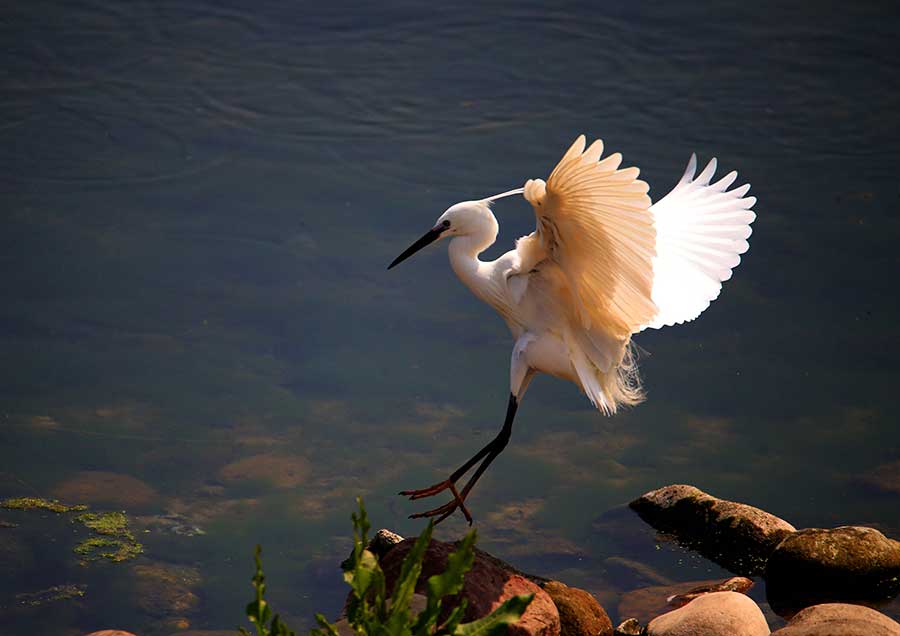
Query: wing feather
702	229
593	221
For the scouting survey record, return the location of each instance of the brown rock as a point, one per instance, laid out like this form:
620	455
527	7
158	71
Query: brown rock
736	536
579	612
715	614
97	486
485	586
839	619
166	590
281	471
846	563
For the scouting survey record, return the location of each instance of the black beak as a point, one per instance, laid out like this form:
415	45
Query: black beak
430	237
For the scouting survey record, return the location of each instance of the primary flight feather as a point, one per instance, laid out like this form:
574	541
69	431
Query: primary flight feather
602	264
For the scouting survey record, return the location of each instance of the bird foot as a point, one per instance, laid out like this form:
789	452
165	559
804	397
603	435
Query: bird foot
442	512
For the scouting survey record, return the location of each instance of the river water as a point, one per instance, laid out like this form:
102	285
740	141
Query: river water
198	203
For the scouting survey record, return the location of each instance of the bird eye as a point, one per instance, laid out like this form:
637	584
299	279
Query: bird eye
446	223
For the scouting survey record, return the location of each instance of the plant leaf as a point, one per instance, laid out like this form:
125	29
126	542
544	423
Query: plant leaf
458	563
496	623
410	570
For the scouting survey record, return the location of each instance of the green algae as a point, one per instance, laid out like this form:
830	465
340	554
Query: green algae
51	594
108	523
38	503
115	549
113	540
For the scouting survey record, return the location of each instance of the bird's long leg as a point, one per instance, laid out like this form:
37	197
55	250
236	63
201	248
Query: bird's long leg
486	455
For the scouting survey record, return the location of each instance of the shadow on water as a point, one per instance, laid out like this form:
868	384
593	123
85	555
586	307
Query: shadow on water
199	201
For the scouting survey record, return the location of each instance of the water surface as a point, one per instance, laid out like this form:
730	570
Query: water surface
199	200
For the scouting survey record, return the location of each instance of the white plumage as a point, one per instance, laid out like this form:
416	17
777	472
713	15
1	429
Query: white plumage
601	265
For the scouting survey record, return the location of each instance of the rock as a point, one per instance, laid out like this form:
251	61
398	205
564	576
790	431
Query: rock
629	627
884	478
846	563
280	471
734	584
631	573
489	583
110	632
839	619
646	603
579	612
383	541
734	535
715	614
166	590
97	486
378	545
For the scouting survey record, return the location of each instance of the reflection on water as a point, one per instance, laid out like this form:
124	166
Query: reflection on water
199	200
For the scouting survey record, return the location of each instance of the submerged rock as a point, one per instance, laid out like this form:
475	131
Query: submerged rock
739	584
884	478
715	614
646	603
97	486
166	590
280	471
846	563
736	536
579	612
486	586
839	619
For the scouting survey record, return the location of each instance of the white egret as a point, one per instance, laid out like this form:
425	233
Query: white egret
602	265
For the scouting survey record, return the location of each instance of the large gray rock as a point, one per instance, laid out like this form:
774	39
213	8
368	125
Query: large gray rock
715	614
736	536
839	619
847	563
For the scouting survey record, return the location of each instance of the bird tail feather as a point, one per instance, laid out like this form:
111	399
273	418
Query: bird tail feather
617	387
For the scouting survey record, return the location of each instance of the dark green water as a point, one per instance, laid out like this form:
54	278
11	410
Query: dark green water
198	203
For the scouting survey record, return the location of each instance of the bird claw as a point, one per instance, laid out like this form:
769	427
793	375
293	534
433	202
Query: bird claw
444	511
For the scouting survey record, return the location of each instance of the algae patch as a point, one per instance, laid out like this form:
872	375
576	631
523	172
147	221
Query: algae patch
37	503
110	539
55	593
113	540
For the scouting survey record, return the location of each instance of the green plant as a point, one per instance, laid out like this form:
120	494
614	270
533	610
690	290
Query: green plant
372	612
259	612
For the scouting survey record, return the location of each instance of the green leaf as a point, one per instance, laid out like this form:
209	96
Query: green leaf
325	628
405	586
496	623
455	617
459	562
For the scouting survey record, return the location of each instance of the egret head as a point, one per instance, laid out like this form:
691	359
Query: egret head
469	218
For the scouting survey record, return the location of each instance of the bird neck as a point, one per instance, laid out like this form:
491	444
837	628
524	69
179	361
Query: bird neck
464	251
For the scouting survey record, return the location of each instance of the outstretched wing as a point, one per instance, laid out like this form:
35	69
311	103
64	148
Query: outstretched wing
701	231
593	221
